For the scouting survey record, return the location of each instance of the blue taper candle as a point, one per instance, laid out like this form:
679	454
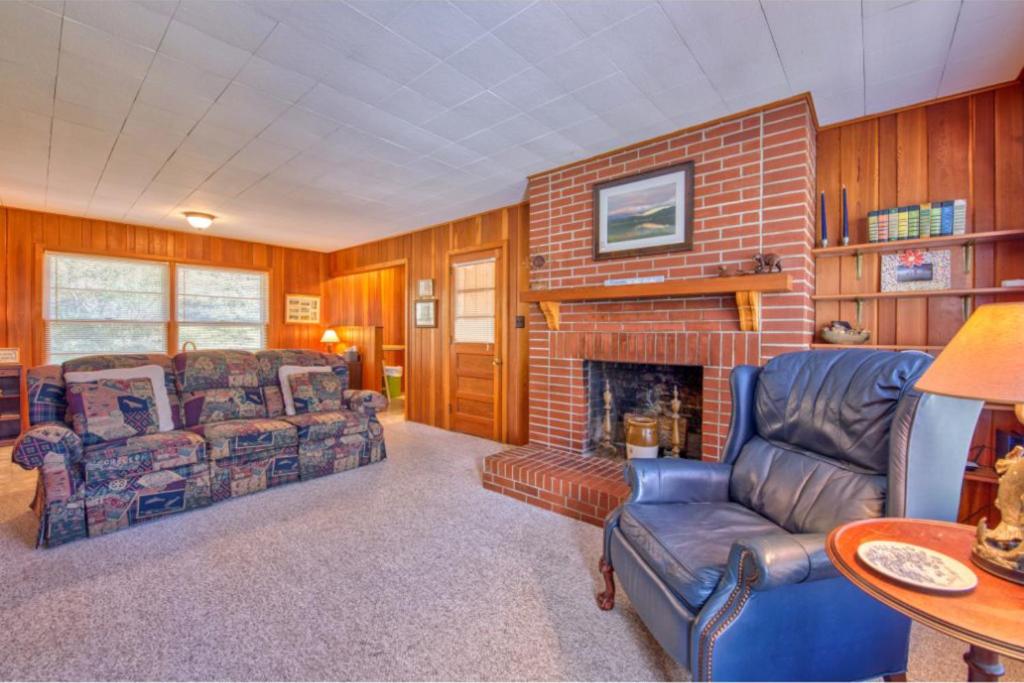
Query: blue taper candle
824	222
846	220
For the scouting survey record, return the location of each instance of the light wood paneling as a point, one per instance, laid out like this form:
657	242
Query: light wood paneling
425	254
26	235
964	147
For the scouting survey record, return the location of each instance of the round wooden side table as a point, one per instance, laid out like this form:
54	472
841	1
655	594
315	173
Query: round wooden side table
990	618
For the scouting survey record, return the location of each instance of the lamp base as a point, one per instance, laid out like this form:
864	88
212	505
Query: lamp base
1000	551
994	567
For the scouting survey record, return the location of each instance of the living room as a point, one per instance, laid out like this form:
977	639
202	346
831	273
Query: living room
511	340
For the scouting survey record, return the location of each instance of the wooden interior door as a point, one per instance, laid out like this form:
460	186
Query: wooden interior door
477	296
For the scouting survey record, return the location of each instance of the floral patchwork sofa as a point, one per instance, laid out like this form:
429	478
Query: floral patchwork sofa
108	458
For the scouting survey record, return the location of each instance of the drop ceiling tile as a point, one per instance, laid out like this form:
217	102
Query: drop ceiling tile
731	42
520	129
35	93
485	142
491	13
595	16
232	22
455	155
528	88
29	36
488	61
411	106
262	156
453	125
129	21
392	55
634	114
607	93
276	81
355	79
580	65
299	129
84	115
696	95
296	50
561	112
147	120
244	110
437	27
648	50
592	133
906	39
539	31
445	85
555	148
230	181
190	45
986	46
383	12
819	44
84	82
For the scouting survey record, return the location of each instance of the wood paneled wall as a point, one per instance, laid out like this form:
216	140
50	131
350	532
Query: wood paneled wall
26	235
372	297
425	254
969	147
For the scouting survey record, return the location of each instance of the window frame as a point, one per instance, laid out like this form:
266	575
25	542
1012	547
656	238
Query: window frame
43	292
174	339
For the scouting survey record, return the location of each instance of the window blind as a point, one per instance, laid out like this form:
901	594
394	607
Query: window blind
96	304
474	302
219	308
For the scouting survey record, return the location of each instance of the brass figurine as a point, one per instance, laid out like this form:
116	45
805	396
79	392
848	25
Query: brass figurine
607	447
674	406
1001	550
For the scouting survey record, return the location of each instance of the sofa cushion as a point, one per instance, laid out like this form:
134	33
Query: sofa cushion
140	454
154	373
837	404
219	385
270	362
329	425
112	409
245	438
131	360
315	392
687	544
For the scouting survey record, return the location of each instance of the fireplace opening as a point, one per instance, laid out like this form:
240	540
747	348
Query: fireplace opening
647	390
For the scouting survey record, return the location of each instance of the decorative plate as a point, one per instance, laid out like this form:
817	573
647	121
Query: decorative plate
918	567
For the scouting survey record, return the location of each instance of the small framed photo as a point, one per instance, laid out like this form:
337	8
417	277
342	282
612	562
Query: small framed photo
301	309
649	213
10	355
425	288
426	313
915	270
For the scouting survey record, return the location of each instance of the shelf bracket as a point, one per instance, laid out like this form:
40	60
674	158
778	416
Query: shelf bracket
966	301
748	305
860	310
968	252
550	311
859	260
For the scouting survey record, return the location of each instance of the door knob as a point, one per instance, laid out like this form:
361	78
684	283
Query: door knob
496	361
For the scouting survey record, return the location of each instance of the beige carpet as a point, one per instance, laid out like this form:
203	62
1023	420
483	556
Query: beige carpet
403	570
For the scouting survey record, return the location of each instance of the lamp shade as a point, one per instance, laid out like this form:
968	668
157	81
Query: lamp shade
330	337
984	360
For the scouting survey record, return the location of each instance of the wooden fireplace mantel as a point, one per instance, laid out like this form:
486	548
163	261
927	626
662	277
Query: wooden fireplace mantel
746	288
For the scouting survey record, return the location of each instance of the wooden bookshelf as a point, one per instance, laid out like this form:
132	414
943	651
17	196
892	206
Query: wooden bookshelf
878	347
922	243
10	403
867	296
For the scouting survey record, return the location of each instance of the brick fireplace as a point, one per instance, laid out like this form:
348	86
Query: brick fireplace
754	180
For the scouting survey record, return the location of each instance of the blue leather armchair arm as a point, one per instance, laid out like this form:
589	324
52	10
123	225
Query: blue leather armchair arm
782	559
667	480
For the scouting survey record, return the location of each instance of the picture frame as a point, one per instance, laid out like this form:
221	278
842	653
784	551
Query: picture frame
646	213
425	313
10	355
301	309
425	288
916	270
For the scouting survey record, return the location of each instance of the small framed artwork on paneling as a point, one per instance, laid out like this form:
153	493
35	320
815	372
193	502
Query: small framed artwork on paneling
425	288
301	309
915	270
10	355
426	313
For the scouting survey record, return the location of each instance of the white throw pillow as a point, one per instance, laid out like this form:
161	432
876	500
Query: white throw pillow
287	371
154	373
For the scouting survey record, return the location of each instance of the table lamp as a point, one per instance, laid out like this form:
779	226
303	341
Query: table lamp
329	339
985	361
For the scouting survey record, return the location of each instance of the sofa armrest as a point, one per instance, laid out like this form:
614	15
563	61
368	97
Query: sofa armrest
782	559
56	451
364	402
669	480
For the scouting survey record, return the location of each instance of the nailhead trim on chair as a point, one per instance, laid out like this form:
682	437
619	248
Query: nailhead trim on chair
725	617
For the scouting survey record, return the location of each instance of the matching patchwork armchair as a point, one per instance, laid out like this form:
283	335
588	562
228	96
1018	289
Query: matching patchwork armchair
725	561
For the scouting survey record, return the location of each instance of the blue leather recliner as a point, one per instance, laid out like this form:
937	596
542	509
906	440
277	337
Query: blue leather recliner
725	561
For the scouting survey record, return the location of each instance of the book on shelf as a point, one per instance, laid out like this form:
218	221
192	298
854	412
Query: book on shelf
904	223
936	219
872	226
894	224
918	221
914	227
947	218
959	216
883	226
925	221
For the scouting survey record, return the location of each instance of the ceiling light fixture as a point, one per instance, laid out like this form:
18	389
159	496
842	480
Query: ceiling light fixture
199	221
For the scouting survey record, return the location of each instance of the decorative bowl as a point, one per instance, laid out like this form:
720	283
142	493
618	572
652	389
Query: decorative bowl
835	335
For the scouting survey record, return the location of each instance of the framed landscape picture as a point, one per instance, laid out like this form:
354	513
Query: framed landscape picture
301	309
649	213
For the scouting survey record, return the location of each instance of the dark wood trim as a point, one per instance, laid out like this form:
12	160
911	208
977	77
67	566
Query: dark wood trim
595	212
767	282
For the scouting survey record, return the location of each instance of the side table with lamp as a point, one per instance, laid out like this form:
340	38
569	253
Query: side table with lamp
928	575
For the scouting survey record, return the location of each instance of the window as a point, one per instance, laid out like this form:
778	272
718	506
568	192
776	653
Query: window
94	304
221	309
474	302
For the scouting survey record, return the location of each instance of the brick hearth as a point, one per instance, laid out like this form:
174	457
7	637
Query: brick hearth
572	485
